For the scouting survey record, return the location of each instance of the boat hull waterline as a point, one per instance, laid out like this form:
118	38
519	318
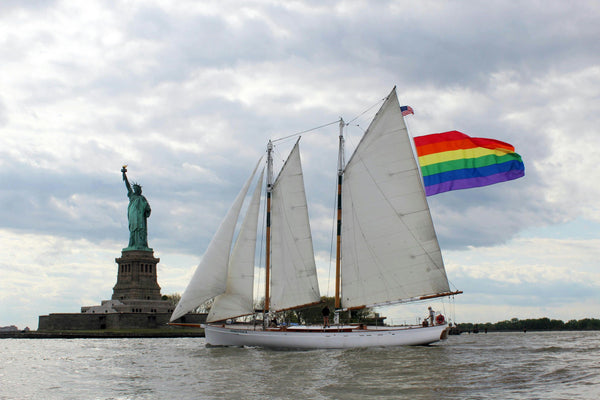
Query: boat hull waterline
331	338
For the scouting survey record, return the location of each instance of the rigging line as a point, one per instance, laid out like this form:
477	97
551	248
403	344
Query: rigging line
280	157
330	123
453	309
366	111
351	139
305	131
452	284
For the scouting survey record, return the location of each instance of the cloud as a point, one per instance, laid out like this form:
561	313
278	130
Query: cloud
537	272
44	273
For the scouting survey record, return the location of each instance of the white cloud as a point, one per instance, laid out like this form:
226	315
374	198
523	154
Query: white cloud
45	273
528	275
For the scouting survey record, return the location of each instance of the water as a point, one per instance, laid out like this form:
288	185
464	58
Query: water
532	365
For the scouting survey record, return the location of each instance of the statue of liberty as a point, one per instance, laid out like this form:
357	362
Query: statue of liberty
138	212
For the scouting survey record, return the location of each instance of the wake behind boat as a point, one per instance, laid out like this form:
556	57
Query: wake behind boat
387	250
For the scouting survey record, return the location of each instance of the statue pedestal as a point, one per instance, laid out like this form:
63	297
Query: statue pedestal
136	278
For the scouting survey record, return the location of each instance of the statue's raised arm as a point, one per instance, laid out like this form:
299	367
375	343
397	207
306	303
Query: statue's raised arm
127	185
137	213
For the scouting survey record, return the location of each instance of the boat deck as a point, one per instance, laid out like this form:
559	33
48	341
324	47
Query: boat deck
344	328
340	328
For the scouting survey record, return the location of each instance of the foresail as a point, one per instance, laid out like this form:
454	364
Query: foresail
293	274
389	246
238	297
210	277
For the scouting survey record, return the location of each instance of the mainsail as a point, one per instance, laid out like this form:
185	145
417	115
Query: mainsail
294	275
389	247
210	278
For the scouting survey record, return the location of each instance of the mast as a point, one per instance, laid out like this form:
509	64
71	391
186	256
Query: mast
341	165
268	230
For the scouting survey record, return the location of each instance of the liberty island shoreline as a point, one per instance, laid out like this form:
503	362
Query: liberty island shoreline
139	334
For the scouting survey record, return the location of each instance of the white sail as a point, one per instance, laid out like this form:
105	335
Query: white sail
389	247
210	277
238	297
293	273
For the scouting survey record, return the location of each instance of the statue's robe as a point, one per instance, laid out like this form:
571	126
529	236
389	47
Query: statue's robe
137	213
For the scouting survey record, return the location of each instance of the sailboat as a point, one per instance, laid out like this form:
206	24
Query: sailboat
387	250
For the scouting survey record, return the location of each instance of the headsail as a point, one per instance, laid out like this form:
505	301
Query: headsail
389	247
210	277
294	275
238	297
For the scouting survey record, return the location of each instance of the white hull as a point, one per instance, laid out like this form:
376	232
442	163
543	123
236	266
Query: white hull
331	338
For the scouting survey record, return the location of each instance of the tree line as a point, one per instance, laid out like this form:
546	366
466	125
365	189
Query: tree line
540	324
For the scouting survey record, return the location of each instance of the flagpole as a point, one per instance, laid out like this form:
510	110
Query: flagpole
414	151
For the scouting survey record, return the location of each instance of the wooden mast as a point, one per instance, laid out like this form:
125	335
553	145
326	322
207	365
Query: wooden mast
341	166
268	230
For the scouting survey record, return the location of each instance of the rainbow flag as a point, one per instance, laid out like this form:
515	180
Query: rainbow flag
453	161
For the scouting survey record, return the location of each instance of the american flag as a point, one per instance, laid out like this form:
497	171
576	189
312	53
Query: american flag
406	110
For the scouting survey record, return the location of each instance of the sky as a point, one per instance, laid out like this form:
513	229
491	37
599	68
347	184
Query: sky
188	93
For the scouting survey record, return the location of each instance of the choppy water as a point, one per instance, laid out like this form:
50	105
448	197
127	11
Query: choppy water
532	365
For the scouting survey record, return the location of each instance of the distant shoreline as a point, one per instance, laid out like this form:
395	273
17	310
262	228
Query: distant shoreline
539	324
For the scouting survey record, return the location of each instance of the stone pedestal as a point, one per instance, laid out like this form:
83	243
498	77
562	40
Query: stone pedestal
136	278
136	301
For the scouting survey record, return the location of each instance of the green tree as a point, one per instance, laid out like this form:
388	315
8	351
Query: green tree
175	297
172	298
539	324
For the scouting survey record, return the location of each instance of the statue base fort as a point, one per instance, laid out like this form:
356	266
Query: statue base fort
136	302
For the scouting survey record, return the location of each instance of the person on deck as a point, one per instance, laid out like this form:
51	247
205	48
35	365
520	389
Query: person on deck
431	315
325	313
